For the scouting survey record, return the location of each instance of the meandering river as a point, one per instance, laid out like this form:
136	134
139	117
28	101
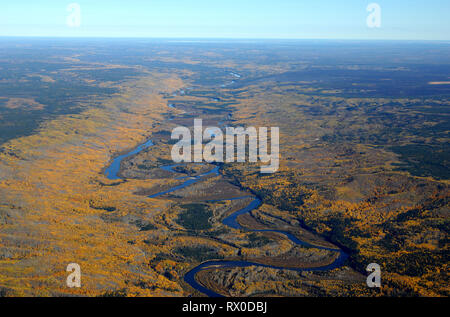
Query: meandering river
112	173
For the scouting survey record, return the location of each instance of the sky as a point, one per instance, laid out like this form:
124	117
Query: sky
248	19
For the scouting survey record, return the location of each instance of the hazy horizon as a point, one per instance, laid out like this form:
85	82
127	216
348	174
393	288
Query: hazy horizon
226	39
285	20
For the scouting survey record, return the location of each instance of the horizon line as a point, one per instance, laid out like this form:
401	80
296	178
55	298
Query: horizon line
221	38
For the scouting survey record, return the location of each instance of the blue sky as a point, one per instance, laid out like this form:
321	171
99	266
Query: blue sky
283	19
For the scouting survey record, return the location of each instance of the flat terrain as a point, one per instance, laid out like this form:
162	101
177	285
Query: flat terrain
364	134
